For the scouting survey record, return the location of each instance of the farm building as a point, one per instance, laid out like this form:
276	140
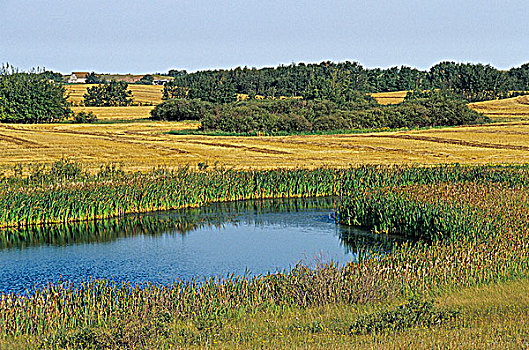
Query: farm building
160	81
78	77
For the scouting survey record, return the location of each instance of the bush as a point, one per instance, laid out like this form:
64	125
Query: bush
305	116
181	109
84	117
413	313
112	94
145	80
336	121
30	98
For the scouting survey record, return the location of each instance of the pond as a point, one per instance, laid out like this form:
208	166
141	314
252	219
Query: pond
242	238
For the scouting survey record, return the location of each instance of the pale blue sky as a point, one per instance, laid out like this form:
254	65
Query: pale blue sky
156	35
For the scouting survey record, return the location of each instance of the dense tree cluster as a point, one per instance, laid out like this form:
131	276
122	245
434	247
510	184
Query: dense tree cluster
334	81
295	115
93	78
31	97
181	109
111	94
322	115
147	79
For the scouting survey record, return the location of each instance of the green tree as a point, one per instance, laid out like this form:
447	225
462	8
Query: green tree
181	109
30	97
111	94
93	78
147	79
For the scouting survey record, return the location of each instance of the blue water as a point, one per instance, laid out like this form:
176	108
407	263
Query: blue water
242	241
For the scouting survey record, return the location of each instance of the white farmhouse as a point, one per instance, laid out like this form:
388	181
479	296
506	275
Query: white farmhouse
78	77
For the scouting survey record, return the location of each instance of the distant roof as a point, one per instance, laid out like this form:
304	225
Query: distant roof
80	74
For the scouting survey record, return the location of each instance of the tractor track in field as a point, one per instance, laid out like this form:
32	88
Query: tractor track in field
21	142
229	145
338	145
109	137
457	142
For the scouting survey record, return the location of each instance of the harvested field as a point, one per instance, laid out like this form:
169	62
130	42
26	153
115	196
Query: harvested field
117	113
511	109
141	94
389	98
141	146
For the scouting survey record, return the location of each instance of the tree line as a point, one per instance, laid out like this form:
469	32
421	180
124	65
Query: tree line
329	80
37	96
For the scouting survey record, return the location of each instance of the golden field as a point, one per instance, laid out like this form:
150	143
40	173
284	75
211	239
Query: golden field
141	145
511	109
389	98
141	94
117	113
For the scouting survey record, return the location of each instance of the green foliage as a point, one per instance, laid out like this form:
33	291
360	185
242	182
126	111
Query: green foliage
413	313
145	80
30	98
84	117
339	81
111	94
393	213
93	78
520	76
51	75
289	116
181	109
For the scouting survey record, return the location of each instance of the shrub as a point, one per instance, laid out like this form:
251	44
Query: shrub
181	109
114	93
413	313
322	115
336	121
84	117
30	98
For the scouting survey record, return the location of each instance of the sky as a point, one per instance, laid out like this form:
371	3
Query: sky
147	36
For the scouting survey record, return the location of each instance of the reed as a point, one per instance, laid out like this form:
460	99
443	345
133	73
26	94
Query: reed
64	192
472	222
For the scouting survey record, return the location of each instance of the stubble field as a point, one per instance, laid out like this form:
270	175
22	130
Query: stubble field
127	137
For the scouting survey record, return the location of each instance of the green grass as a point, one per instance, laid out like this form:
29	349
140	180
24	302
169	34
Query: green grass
472	261
184	132
491	316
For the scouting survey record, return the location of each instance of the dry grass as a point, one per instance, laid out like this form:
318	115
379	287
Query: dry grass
140	146
117	113
142	94
389	98
511	109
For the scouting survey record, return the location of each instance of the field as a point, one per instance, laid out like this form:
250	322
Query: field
143	145
388	98
126	136
113	114
141	94
511	109
465	287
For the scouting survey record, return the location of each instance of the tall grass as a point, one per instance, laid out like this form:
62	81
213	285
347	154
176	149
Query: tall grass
65	193
473	221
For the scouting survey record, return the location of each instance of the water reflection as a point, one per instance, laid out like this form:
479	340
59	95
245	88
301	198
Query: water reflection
176	221
240	238
182	222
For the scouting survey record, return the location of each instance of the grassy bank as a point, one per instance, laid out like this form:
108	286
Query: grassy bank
64	192
472	222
